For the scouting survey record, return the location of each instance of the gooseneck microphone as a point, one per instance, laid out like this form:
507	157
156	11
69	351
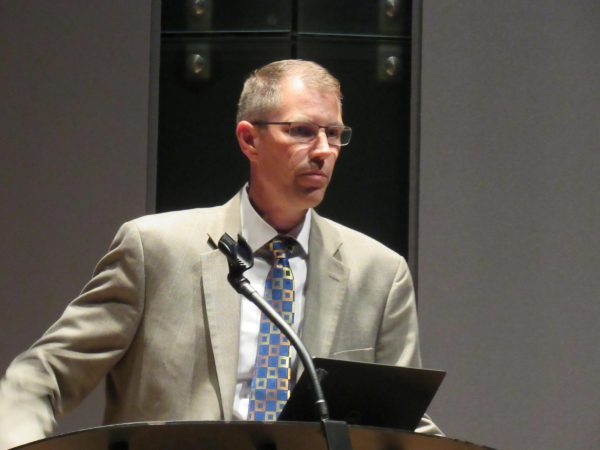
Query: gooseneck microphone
240	258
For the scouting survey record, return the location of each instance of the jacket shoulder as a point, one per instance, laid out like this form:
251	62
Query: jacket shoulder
356	244
167	220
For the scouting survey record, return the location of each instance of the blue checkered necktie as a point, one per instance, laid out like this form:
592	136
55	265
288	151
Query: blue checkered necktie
271	384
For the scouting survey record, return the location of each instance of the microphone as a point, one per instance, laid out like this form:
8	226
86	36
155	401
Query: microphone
239	255
240	258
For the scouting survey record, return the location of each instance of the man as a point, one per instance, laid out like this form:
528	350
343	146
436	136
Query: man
158	318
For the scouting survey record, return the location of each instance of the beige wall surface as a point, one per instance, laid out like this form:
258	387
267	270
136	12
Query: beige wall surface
509	220
74	83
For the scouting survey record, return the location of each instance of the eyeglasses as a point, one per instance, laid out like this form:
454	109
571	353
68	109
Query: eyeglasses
307	132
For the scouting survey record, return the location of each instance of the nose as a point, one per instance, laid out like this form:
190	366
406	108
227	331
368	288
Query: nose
321	149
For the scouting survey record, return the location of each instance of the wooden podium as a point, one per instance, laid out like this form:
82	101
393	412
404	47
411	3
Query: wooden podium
238	436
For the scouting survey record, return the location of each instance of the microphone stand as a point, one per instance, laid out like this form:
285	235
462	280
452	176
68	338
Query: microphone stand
240	258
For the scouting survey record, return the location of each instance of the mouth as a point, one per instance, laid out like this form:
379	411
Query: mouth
315	178
315	173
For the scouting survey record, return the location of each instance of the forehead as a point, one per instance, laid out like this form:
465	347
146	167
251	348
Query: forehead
296	97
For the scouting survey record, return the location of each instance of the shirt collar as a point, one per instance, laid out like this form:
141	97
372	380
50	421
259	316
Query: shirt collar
257	232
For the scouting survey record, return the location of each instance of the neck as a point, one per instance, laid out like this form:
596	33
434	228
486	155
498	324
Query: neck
281	218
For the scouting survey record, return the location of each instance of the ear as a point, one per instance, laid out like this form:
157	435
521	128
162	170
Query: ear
247	136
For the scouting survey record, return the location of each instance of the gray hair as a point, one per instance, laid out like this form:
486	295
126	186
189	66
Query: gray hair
260	95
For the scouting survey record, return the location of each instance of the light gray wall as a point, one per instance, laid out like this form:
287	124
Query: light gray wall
74	84
509	222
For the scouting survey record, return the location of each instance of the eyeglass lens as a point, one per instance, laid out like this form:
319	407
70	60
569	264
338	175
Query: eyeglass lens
306	132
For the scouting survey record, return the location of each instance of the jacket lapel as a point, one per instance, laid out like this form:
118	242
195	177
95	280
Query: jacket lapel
222	305
326	287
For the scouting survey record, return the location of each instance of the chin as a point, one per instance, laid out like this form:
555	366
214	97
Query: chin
314	197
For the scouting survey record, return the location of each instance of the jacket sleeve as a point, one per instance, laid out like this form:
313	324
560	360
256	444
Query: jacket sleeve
71	358
398	337
398	340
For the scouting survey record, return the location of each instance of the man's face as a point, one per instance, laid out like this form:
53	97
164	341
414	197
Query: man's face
289	175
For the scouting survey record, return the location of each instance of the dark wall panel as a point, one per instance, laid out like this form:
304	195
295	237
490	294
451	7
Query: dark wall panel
202	72
199	161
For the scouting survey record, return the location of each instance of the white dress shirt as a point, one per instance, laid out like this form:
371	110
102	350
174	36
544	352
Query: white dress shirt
258	233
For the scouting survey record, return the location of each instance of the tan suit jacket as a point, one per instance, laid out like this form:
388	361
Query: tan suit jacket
160	321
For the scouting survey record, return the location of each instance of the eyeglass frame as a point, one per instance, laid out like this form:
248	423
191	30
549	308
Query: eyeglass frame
325	127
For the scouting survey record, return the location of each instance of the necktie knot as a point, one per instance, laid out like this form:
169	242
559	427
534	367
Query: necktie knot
280	248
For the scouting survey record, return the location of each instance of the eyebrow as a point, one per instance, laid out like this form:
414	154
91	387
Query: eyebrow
316	123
